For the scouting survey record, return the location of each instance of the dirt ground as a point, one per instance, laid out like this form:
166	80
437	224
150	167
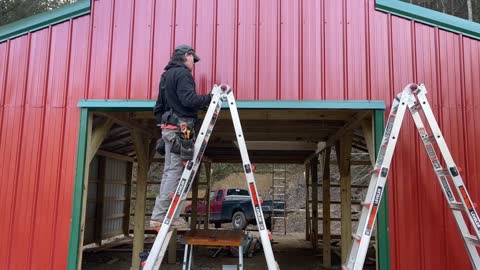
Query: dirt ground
291	252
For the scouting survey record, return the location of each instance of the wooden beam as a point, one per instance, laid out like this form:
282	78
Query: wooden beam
326	236
308	229
98	135
367	128
100	201
314	235
172	248
270	115
343	150
279	145
85	192
208	172
354	122
142	148
115	156
193	219
126	205
125	120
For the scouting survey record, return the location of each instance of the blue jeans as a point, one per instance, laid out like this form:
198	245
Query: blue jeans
172	172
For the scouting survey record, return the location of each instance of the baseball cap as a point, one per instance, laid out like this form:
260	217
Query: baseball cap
182	49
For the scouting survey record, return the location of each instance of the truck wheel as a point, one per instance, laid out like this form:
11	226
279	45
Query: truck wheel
239	221
218	225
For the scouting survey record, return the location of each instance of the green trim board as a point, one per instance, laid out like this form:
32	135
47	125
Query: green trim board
383	254
244	104
78	191
43	20
430	17
87	106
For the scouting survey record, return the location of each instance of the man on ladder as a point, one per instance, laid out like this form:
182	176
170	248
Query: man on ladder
176	114
191	151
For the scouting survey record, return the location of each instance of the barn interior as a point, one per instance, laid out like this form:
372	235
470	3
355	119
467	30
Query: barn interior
120	151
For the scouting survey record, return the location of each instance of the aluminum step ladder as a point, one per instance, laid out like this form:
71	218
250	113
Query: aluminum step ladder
414	97
220	94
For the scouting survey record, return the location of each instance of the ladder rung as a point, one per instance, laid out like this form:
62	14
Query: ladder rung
416	108
279	170
430	139
279	194
443	172
279	178
278	186
472	239
457	206
279	217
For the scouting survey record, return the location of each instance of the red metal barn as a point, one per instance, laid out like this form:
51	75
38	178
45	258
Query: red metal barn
267	50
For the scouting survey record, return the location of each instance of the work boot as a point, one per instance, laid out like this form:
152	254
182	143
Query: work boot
179	223
155	223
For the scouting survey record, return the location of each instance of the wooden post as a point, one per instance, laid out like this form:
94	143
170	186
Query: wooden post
94	140
100	201
308	227
172	248
344	149
142	148
367	128
314	235
128	195
326	236
208	171
193	217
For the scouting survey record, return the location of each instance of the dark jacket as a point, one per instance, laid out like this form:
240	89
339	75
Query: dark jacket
177	92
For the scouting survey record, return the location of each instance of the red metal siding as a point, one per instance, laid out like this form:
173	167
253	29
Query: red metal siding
268	49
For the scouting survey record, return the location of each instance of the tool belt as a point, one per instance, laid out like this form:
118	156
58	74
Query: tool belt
183	144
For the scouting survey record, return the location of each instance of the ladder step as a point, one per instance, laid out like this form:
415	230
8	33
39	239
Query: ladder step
279	217
279	178
279	170
472	239
430	139
457	206
443	172
279	186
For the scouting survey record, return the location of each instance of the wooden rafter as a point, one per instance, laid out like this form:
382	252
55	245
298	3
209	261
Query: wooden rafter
98	135
124	120
354	122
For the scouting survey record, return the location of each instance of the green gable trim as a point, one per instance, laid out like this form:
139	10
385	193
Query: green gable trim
430	17
44	20
244	104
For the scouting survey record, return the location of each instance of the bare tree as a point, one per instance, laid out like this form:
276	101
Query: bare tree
470	11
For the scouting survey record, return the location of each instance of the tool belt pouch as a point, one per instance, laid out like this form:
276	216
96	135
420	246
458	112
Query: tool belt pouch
176	144
186	149
160	147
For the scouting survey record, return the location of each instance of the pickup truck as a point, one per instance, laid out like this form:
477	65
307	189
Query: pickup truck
233	205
